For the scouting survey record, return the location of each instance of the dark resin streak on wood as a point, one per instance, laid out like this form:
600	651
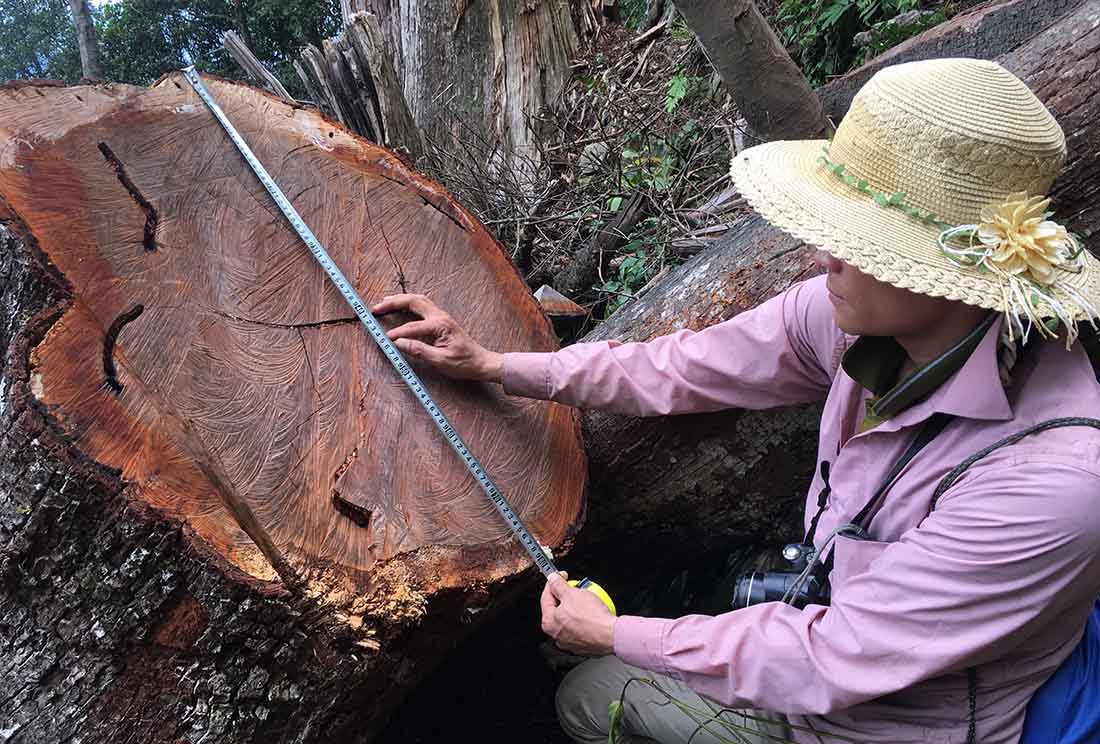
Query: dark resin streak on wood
109	371
149	239
353	511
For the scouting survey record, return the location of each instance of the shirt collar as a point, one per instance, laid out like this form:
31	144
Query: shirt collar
964	382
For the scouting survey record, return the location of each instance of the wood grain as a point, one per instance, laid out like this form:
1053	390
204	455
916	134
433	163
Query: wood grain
139	199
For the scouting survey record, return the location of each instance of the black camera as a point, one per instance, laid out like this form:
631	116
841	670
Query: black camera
774	586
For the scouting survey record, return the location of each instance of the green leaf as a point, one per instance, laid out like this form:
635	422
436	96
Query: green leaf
881	199
677	90
834	12
863	184
614	203
615	719
837	168
897	198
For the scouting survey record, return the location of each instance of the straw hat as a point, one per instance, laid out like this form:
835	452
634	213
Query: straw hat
935	182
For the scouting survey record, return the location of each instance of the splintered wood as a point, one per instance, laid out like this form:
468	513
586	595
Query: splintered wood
191	300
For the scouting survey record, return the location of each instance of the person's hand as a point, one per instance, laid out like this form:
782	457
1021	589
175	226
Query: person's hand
576	619
438	340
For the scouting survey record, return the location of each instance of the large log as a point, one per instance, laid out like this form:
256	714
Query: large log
694	484
985	32
182	384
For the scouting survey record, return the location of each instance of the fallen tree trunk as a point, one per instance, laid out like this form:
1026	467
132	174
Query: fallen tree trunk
181	384
982	32
700	483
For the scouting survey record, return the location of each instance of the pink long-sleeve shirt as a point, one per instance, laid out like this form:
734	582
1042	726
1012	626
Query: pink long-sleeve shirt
1000	576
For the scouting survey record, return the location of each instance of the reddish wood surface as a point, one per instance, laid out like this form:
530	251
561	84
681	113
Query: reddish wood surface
189	288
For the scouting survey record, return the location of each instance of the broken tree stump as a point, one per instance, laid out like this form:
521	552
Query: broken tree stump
700	484
352	80
164	329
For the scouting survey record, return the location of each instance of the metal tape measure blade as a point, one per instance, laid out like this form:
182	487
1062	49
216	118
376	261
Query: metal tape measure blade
515	524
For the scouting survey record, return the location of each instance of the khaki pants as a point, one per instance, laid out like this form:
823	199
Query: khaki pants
648	716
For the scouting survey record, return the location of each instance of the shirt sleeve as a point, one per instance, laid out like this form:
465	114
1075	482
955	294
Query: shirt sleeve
997	560
782	352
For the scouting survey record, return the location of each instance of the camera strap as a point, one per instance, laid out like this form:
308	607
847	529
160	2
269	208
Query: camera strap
862	521
932	427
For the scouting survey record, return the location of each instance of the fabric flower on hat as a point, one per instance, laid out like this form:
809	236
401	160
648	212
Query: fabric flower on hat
1021	241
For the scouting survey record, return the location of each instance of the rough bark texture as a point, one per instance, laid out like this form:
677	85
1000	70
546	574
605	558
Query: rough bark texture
147	289
353	81
983	32
471	69
85	39
769	89
690	484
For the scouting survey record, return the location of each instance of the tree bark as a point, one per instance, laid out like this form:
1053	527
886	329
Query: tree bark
983	32
182	385
768	88
681	486
353	81
85	38
480	70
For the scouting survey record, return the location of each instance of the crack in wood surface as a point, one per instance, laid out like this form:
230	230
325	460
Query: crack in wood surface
288	326
149	237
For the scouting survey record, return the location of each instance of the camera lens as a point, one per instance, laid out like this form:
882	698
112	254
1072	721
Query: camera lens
749	590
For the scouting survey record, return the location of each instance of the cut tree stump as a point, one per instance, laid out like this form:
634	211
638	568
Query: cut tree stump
166	330
698	484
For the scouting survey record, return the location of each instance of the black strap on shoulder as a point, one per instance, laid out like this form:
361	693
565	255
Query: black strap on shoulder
931	429
949	480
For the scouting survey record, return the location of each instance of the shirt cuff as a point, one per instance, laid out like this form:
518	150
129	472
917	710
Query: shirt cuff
527	374
639	641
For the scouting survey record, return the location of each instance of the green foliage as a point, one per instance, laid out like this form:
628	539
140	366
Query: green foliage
139	40
892	35
633	12
615	718
822	30
631	276
677	91
37	40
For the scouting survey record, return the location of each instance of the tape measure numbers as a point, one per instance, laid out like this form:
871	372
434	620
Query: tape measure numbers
538	555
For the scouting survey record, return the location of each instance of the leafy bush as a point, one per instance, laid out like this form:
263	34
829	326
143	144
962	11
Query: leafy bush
822	31
633	12
893	34
632	275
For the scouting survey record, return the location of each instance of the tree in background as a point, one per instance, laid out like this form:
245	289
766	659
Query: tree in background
139	40
85	39
37	40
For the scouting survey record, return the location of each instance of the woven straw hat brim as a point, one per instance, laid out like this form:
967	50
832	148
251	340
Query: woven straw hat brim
785	183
